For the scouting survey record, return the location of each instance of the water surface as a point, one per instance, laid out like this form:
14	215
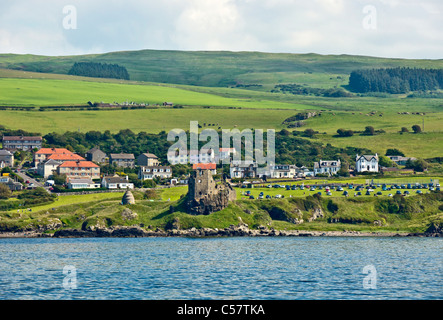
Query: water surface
222	268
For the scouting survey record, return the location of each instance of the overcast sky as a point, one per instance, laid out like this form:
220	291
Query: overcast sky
384	28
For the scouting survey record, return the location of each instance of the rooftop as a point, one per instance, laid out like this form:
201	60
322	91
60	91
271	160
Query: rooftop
79	164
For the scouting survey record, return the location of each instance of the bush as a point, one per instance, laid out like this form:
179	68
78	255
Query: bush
416	128
149	184
332	206
5	192
151	194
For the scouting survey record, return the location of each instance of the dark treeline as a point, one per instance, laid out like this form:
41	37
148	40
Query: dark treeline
99	70
294	88
395	80
289	148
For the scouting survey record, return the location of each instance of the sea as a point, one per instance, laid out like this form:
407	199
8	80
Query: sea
231	268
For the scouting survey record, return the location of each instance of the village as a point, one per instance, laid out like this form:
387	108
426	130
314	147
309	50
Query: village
83	172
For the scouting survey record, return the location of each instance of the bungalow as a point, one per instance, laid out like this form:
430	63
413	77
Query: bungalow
205	166
21	142
146	172
96	155
148	160
11	184
327	167
366	163
47	168
116	182
6	159
124	160
401	161
82	184
79	169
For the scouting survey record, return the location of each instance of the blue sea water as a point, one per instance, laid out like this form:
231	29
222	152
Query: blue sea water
221	268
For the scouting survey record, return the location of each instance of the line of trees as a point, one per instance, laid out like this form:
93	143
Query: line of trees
294	88
395	80
99	70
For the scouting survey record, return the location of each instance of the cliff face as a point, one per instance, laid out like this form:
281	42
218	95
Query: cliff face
210	203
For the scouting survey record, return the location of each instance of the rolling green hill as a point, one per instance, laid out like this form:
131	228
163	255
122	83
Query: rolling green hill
230	89
219	68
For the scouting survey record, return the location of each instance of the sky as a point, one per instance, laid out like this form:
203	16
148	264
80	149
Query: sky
382	28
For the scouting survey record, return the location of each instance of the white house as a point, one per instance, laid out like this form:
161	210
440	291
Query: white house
283	171
243	169
146	173
366	163
116	182
82	184
327	167
47	168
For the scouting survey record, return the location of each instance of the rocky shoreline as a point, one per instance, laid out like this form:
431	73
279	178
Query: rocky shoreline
241	230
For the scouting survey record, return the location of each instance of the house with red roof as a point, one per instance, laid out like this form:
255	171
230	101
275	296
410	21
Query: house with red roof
79	169
205	166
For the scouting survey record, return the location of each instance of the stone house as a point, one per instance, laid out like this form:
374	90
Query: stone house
148	160
96	155
124	160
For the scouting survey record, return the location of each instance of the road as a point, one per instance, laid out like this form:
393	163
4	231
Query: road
25	177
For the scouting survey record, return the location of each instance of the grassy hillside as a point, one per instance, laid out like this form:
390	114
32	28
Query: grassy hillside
217	68
205	83
398	214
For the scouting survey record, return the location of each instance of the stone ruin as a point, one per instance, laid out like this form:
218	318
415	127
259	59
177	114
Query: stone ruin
205	196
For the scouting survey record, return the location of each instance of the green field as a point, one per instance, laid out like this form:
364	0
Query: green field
205	83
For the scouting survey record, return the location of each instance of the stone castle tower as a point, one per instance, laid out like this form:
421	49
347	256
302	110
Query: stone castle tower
205	196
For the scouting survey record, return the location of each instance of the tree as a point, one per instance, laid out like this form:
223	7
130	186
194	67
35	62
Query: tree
416	128
5	192
394	152
404	130
309	133
369	131
59	179
385	162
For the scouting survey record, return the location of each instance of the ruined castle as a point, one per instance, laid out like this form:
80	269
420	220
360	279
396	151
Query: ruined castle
205	196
